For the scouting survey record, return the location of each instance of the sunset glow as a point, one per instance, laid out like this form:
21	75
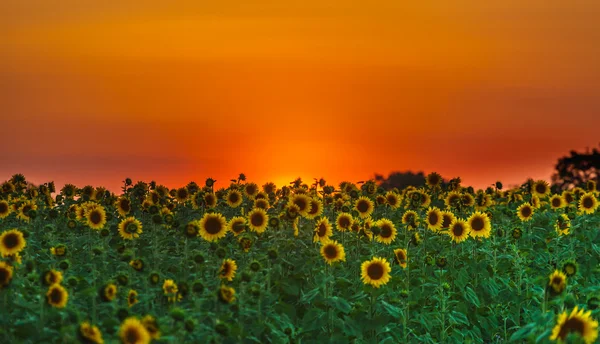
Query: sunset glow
93	92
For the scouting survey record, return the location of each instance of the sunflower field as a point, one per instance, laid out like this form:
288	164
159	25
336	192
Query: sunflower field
350	263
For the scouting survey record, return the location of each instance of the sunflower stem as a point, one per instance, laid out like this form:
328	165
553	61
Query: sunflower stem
94	317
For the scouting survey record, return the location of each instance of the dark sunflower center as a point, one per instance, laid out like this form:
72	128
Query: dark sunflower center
125	205
557	281
587	203
556	202
526	211
572	325
131	298
477	224
322	230
233	198
213	225
3	207
434	180
540	188
568	198
314	208
3	276
362	206
344	222
95	217
257	220
446	220
182	193
401	257
433	218
131	228
391	200
301	203
386	231
56	296
132	335
26	209
375	271
331	251
11	240
458	230
238	227
250	189
226	269
210	199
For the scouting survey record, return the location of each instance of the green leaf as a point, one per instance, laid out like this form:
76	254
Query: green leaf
392	310
471	296
340	304
458	318
523	332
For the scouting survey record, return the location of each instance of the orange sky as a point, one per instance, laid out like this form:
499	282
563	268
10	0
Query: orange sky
92	92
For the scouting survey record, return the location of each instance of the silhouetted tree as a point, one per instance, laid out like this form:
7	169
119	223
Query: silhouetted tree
576	170
400	180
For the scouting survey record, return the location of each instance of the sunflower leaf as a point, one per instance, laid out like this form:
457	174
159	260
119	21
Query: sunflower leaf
471	296
340	304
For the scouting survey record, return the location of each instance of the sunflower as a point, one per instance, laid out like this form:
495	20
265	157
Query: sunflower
316	208
434	219
569	268
213	226
387	231
401	257
479	224
458	230
269	188
343	222
557	282
540	188
303	203
233	198
467	200
137	264
96	217
132	331
567	196
24	209
453	199
123	206
591	186
433	180
563	224
226	294
447	218
57	296
261	203
525	212
588	203
130	228
578	322
237	225
251	190
258	220
535	202
90	334
11	242
4	209
392	199
51	277
6	274
332	252
410	219
322	230
557	202
228	269
132	297
108	292
182	194
192	229
375	272
210	200
151	326
364	206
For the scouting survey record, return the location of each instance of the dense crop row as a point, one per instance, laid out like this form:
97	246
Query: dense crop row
298	264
